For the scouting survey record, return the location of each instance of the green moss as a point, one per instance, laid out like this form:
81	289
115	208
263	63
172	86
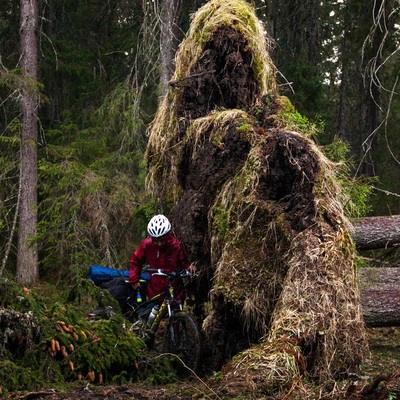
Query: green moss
104	346
293	120
15	377
221	220
218	138
245	128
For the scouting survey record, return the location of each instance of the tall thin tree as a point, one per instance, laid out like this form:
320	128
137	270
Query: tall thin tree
168	40
27	263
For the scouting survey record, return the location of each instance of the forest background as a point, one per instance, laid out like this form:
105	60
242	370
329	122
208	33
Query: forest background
103	67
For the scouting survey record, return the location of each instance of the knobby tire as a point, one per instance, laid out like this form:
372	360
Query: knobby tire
187	339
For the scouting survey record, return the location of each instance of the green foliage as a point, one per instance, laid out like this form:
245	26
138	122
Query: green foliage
159	371
92	135
15	377
122	125
337	151
8	181
90	183
34	322
357	189
145	211
11	78
29	328
386	155
298	122
309	88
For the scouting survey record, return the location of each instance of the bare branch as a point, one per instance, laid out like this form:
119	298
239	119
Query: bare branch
11	237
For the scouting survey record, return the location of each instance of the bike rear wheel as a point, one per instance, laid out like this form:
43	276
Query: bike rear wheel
183	337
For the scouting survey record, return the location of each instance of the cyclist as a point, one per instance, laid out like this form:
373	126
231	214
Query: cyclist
161	251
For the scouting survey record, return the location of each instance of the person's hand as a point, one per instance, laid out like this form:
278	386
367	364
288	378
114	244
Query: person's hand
135	285
192	268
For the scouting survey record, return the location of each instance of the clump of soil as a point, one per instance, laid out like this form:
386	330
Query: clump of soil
221	78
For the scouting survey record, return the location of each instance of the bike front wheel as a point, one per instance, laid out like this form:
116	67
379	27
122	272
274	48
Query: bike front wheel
183	339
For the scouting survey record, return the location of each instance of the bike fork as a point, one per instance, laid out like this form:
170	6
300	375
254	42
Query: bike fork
172	325
172	334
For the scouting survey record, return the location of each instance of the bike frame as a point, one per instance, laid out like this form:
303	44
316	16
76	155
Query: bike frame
183	336
166	307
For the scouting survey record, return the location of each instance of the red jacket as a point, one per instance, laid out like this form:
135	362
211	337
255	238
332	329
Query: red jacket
171	257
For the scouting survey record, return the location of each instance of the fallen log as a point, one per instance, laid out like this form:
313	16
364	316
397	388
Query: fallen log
376	232
380	296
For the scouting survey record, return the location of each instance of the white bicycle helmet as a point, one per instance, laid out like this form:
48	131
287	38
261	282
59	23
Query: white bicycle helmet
158	226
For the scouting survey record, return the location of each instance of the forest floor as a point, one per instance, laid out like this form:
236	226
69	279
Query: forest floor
379	379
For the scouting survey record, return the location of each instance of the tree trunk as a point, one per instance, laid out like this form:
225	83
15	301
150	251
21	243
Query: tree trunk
380	296
27	269
380	288
376	232
168	41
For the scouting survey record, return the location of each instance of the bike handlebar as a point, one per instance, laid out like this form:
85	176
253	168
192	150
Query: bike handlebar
161	272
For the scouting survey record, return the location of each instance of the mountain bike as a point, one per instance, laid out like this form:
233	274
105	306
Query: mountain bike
182	335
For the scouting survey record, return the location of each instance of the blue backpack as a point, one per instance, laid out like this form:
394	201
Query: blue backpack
100	274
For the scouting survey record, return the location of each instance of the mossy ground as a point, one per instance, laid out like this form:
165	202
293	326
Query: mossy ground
48	340
379	380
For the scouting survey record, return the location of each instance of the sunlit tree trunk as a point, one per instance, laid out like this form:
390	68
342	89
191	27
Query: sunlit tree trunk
27	268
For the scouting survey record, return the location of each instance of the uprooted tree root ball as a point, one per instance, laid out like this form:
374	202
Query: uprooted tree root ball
259	207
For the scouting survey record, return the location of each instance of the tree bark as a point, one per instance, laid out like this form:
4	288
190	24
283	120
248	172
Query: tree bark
168	41
380	296
376	232
27	269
